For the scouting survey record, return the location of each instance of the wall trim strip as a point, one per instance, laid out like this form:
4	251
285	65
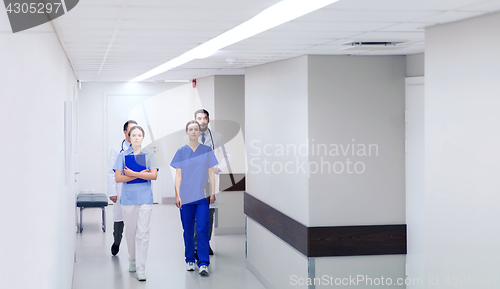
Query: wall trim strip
328	241
226	182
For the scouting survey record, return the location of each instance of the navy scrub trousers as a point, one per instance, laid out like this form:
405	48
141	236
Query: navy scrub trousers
188	212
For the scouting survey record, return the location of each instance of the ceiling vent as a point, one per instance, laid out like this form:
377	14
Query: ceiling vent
373	45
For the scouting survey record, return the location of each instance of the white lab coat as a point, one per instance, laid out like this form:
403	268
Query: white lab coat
114	188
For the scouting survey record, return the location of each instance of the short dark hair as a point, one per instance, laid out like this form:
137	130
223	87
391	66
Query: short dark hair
201	110
125	126
191	122
139	127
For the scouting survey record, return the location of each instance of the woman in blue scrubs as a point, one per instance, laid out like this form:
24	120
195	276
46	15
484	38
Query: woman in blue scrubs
194	168
137	201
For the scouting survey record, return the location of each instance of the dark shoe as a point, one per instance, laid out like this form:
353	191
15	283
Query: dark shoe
210	252
114	249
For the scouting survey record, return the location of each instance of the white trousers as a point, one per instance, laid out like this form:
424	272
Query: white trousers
136	219
117	207
117	212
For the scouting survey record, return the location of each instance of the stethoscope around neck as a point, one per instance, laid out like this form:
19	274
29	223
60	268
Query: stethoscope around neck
122	146
211	138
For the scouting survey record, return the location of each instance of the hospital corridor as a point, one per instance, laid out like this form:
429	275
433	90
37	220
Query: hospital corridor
249	144
95	267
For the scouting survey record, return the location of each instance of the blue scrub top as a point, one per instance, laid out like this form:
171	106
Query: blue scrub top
139	193
194	166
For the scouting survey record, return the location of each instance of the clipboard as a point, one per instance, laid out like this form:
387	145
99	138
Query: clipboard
136	163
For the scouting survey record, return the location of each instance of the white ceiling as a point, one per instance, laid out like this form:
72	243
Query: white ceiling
117	40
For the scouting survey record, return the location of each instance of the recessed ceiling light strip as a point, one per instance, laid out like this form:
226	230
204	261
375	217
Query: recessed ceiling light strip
273	16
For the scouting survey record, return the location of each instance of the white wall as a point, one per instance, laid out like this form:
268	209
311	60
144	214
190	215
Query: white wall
357	101
361	271
276	115
272	261
38	208
92	101
230	98
462	159
415	65
204	95
415	193
229	105
328	100
229	101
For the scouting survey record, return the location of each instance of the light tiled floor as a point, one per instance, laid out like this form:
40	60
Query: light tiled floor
96	268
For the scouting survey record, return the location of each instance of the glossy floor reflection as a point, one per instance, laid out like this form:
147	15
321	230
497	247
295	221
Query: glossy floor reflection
95	267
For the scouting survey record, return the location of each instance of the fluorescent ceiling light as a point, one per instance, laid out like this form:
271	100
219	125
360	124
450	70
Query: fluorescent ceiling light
273	16
175	80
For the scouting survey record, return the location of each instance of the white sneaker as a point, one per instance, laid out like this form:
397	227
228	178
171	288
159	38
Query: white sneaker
190	266
203	270
131	267
141	277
